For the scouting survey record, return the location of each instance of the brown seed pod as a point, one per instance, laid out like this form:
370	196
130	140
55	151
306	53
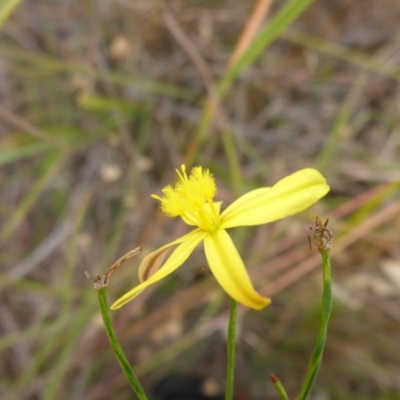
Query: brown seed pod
322	235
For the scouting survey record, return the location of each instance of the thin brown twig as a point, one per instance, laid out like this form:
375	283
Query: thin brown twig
101	281
198	61
250	30
26	126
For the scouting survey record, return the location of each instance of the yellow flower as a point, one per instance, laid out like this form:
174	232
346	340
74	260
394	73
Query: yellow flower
192	200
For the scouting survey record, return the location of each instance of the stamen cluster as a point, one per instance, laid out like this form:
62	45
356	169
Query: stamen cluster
191	198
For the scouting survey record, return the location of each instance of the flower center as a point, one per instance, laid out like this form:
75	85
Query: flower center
192	199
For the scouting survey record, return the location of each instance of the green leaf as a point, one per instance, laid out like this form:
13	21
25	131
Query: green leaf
6	8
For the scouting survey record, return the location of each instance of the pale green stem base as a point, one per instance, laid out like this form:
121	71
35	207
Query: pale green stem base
117	349
279	388
231	351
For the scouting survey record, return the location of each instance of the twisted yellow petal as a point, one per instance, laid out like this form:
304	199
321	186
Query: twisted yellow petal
229	270
176	259
153	261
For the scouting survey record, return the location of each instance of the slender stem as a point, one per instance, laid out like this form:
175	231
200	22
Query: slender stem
325	314
279	387
116	347
231	350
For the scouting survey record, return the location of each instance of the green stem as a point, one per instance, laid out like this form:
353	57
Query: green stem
325	314
279	387
116	347
231	350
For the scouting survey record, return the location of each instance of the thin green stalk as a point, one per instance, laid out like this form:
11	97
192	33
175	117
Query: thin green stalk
231	351
279	387
117	349
316	358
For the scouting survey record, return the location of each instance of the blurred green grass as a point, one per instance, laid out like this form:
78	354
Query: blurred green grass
90	129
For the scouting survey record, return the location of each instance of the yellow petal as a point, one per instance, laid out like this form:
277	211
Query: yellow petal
153	261
229	270
289	196
176	259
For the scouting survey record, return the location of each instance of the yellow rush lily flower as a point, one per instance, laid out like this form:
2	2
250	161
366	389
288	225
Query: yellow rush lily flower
192	200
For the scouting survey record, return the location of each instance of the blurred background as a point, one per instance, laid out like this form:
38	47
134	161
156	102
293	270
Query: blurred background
101	101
